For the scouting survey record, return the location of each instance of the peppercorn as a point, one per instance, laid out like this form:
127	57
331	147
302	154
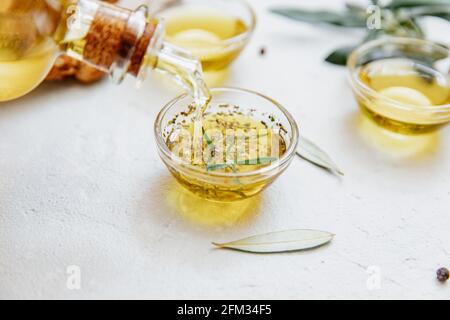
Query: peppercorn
262	51
442	274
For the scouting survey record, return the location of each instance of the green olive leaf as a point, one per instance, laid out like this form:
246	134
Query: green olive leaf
439	11
348	18
397	4
340	56
355	8
442	15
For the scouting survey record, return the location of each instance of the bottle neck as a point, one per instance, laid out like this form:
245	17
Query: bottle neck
121	41
113	39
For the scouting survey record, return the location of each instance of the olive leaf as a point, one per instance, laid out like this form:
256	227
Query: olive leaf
340	56
399	18
433	11
442	15
344	19
396	4
407	27
355	8
310	152
281	241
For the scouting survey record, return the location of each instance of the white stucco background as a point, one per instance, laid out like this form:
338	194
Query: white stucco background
81	184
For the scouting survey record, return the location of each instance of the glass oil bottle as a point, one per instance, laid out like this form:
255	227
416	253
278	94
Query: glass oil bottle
112	39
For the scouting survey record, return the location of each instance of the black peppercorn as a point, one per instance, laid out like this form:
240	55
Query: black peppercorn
262	51
442	274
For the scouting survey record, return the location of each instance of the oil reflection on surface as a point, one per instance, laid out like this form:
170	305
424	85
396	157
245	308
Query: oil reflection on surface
413	147
211	213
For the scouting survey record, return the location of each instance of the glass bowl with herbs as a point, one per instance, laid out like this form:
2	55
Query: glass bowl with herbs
242	143
402	84
214	31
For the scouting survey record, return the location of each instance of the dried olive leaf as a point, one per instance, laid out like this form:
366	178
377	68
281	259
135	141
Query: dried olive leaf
344	19
281	241
310	152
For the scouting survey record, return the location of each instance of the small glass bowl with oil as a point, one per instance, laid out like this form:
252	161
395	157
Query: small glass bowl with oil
214	31
402	84
244	142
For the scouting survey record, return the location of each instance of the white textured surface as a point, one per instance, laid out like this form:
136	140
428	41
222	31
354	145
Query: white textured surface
81	184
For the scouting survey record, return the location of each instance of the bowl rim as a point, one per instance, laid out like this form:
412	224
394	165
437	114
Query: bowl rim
279	163
360	86
240	37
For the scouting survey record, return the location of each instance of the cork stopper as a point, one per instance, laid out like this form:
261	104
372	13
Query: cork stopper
118	37
141	49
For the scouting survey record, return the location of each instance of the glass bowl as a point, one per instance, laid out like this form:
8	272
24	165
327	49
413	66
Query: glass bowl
215	31
219	185
387	110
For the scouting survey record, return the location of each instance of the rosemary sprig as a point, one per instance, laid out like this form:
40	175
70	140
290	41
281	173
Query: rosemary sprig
208	140
213	167
256	161
218	166
232	165
260	160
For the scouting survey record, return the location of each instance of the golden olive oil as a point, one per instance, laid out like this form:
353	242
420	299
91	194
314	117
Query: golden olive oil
20	76
230	142
408	92
205	32
211	213
26	55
